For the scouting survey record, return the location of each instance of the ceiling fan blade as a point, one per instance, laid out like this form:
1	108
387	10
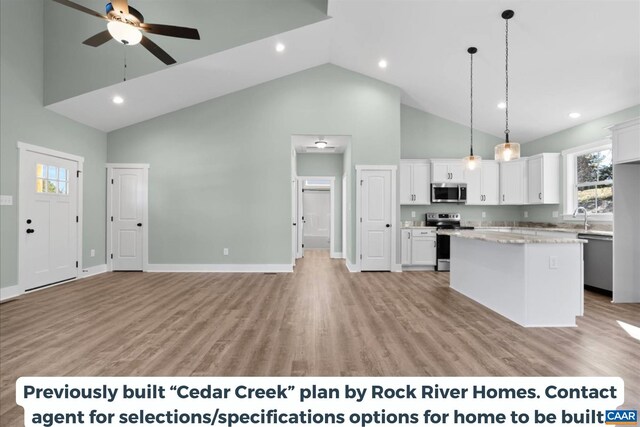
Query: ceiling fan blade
120	6
157	51
81	8
99	39
171	31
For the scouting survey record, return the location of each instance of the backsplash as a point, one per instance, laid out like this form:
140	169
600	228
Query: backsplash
468	213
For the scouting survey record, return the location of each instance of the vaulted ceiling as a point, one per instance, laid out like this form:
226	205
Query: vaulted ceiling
565	56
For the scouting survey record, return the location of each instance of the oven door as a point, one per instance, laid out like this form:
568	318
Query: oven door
445	193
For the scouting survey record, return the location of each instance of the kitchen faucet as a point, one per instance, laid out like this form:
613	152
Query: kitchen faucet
584	211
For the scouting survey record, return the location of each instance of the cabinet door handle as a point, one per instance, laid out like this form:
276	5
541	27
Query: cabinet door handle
540	196
503	197
434	243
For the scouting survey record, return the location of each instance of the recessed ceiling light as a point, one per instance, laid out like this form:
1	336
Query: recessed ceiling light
502	105
574	115
118	99
382	63
280	47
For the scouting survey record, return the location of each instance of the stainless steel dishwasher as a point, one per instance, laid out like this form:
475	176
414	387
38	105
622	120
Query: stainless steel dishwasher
598	261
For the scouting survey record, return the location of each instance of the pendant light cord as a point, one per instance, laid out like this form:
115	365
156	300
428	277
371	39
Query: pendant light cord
506	69
471	112
125	63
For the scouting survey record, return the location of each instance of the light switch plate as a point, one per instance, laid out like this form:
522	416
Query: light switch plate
554	214
93	252
484	214
526	214
6	200
553	262
225	251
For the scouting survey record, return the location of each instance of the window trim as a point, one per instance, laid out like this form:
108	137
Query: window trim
569	179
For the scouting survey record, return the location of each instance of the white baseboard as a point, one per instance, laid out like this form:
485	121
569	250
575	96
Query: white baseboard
353	268
336	255
418	268
10	292
396	268
220	268
92	271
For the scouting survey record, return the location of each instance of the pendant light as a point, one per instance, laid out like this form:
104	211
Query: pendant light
508	150
471	161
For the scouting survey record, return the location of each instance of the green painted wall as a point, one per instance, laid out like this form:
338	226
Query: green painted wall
220	171
23	118
585	133
426	136
73	68
326	165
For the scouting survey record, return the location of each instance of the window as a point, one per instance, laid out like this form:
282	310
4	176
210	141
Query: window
594	182
52	179
589	180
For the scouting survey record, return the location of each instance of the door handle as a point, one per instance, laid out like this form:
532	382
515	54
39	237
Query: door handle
30	230
139	224
388	225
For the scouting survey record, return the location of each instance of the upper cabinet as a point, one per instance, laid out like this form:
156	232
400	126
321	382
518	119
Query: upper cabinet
513	182
447	171
483	183
414	182
544	179
626	141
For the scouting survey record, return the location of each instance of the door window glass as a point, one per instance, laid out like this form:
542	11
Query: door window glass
52	179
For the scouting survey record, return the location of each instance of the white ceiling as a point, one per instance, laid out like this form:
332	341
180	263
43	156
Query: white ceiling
565	56
305	144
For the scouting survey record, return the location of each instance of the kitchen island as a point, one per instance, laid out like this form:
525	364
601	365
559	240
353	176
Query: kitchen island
531	280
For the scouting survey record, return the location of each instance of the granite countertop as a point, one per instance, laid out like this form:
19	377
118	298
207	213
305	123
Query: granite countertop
504	237
558	229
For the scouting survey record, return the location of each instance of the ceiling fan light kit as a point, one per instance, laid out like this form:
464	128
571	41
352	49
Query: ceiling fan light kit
472	161
508	150
321	143
126	25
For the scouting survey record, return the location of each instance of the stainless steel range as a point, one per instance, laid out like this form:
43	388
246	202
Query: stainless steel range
444	221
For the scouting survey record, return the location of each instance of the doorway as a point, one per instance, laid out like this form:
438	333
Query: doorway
316	213
127	217
50	204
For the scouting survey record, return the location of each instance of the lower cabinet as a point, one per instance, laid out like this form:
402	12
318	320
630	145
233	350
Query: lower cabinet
419	247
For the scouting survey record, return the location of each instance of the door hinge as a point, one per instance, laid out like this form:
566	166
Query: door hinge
360	219
77	218
302	190
111	219
76	264
360	256
303	245
361	181
111	256
112	180
77	174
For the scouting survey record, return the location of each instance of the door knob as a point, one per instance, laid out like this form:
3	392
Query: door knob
28	221
30	230
139	224
388	225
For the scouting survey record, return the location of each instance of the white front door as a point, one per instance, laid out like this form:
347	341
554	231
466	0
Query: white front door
128	202
48	223
376	220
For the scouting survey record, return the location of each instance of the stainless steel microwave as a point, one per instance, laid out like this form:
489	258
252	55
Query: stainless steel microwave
448	193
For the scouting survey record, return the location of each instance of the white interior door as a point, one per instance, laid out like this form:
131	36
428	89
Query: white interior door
48	223
128	202
300	223
317	218
376	220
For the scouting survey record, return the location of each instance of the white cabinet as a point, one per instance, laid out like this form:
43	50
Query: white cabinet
483	183
447	171
513	182
419	246
626	142
406	246
414	182
544	179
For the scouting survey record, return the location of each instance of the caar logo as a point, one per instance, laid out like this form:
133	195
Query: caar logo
621	417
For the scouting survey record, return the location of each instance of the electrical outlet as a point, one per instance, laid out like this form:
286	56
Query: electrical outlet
225	251
484	214
553	262
413	214
6	200
554	214
526	214
93	252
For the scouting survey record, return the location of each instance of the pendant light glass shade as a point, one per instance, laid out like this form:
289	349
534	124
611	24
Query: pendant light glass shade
472	161
508	150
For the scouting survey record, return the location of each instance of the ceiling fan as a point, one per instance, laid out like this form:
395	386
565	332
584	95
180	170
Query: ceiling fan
126	24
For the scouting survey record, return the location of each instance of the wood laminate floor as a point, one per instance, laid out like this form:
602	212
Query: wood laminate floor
320	320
